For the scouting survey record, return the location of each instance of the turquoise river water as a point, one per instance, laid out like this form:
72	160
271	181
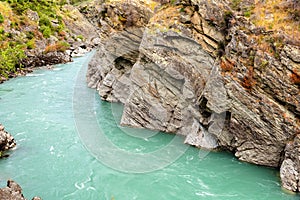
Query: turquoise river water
58	155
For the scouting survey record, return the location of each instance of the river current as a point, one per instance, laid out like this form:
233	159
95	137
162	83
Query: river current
58	155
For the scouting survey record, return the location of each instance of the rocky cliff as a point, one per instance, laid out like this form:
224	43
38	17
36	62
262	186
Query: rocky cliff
205	70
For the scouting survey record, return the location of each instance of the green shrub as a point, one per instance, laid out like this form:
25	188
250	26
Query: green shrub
247	13
46	30
29	35
80	37
1	18
30	44
44	21
9	35
14	24
10	58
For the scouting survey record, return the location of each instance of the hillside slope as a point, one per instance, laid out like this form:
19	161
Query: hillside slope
38	33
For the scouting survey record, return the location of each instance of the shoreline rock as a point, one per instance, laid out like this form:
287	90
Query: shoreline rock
13	191
6	141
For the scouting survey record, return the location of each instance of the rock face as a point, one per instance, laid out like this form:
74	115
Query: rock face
200	70
13	192
290	167
6	140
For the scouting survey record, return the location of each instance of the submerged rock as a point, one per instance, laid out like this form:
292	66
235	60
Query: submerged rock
13	191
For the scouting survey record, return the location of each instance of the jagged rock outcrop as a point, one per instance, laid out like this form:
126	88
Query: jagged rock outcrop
6	140
290	167
201	70
13	191
120	51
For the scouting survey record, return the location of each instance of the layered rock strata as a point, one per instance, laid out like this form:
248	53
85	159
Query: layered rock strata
197	68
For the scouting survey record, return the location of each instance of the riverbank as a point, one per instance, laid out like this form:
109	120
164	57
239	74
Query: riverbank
32	38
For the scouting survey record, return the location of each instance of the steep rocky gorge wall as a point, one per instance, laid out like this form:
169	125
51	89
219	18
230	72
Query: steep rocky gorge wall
197	68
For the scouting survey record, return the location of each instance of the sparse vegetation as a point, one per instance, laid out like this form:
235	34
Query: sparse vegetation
1	18
278	15
9	59
166	18
80	37
226	64
248	80
59	46
12	44
295	77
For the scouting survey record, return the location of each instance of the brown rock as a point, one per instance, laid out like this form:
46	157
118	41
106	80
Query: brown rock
13	191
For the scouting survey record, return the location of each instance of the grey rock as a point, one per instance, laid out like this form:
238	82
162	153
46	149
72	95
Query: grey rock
293	52
289	175
110	68
290	167
32	15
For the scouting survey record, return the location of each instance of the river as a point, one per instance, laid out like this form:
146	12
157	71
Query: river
62	152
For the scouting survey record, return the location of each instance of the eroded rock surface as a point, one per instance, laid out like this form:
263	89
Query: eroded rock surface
290	167
204	73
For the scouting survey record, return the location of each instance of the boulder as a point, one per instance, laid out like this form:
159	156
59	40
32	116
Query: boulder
13	191
6	140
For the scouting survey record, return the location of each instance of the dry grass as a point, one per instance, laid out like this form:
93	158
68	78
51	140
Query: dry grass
59	46
226	64
7	13
295	77
166	17
248	80
276	15
148	3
